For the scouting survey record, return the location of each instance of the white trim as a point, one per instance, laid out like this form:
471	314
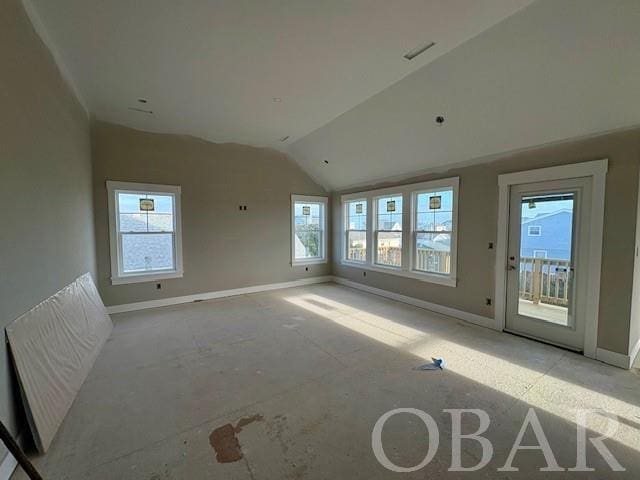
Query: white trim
164	302
409	193
635	291
324	203
596	169
118	278
7	466
633	353
480	320
65	73
614	358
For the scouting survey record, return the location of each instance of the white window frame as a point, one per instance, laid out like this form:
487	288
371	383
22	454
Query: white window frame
324	205
409	195
346	229
539	234
118	277
376	231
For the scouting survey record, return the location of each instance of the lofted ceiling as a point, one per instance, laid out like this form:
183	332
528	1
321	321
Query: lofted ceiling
555	70
248	71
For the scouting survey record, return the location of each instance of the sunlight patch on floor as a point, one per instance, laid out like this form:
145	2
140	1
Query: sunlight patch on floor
548	393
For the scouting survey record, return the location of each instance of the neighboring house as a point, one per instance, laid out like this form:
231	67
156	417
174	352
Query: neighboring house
547	235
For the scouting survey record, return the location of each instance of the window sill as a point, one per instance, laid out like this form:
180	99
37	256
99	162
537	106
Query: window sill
145	277
423	277
311	261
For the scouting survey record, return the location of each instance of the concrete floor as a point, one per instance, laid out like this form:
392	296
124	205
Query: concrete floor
550	313
310	370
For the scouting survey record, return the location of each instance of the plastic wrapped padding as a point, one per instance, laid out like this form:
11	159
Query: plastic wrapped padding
54	346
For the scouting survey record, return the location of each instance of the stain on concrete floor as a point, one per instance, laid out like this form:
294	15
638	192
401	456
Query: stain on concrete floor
225	443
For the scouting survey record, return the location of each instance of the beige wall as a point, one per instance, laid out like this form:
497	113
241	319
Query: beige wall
223	248
478	223
47	234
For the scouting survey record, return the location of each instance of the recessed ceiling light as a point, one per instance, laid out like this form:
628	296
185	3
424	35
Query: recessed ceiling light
277	99
284	139
418	50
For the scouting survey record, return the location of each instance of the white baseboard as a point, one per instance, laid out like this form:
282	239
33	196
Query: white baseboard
614	358
434	307
164	302
633	354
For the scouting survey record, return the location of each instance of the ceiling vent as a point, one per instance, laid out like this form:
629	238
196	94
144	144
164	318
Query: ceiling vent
418	50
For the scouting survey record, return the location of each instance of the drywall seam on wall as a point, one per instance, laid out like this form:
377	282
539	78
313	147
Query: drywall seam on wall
164	302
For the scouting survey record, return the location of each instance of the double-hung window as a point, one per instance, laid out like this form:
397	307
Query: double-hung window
388	231
356	230
411	231
433	231
145	232
308	229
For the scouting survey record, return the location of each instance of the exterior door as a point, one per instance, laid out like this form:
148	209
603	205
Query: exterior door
546	260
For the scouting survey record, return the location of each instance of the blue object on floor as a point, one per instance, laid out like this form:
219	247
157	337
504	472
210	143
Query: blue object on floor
437	364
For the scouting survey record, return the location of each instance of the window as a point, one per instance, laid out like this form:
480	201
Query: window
389	231
308	229
433	230
356	230
535	230
422	246
145	232
539	254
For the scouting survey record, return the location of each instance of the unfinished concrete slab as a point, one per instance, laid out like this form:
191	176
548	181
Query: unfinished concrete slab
290	383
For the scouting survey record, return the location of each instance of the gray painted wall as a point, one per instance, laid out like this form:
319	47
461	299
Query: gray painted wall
477	221
47	234
223	248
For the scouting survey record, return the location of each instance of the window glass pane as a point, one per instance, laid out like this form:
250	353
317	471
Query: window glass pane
389	213
357	212
160	222
433	252
129	202
357	246
161	203
308	230
308	240
434	211
147	252
157	217
389	248
133	222
307	213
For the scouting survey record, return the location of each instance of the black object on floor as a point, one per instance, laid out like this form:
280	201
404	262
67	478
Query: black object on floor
18	454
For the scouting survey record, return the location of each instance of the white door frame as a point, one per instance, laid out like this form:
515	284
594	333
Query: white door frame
598	171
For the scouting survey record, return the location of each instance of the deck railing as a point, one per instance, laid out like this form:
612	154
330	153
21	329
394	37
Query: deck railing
426	259
545	280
